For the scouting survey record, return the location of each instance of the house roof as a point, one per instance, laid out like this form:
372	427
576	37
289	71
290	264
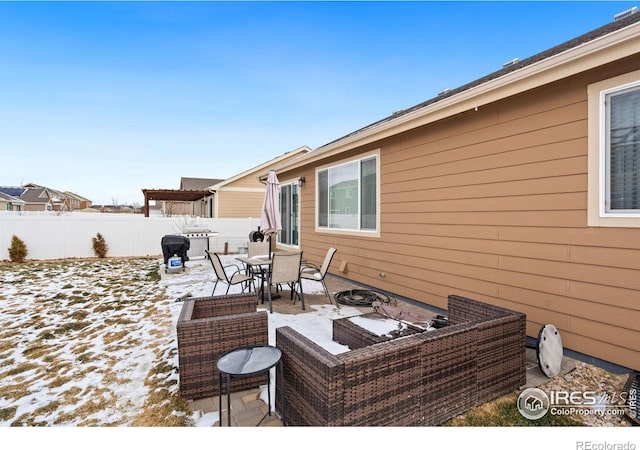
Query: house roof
198	183
10	198
36	195
79	197
259	170
611	42
14	191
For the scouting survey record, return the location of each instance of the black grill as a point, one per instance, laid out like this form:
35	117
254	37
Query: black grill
173	245
256	236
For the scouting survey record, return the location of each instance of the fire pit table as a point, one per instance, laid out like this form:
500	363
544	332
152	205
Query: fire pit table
370	328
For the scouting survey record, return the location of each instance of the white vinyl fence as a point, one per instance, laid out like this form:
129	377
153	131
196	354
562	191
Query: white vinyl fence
52	236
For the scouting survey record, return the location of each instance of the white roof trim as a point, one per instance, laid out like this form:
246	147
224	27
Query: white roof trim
261	167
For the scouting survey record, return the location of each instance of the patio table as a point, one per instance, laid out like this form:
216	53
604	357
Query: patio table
244	362
259	266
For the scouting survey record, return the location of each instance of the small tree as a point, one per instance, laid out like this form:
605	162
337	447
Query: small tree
18	250
100	247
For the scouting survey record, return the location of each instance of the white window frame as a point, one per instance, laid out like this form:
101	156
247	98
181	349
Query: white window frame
281	244
367	233
597	214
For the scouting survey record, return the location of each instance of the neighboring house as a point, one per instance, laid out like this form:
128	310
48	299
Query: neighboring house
77	201
203	207
10	203
41	198
520	189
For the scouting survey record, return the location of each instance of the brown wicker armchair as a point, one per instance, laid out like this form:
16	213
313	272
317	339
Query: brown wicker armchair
209	326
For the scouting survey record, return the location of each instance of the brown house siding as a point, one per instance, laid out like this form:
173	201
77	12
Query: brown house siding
492	204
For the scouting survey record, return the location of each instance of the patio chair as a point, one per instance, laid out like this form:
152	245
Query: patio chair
312	272
239	276
210	326
285	269
258	249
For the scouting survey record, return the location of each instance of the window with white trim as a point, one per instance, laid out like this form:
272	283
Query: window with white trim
289	214
347	195
622	150
614	151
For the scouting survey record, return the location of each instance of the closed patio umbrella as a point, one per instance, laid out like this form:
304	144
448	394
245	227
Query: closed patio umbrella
270	222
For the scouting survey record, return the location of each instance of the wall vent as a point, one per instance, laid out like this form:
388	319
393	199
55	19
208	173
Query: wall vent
511	63
625	14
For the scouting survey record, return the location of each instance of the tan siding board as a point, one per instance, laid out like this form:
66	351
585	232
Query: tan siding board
425	281
512	218
620	315
544	99
611	276
490	145
613	257
399	264
444	230
543	202
538	186
607	295
600	349
425	243
591	237
249	181
537	123
510	162
598	330
536	170
418	253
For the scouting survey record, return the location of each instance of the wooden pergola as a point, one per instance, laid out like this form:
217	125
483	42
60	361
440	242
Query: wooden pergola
175	195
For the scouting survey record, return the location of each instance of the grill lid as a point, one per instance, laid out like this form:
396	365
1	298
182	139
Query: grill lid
195	229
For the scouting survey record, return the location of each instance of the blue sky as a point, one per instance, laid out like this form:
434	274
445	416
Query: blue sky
107	98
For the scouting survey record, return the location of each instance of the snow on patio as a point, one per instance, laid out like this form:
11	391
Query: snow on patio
90	342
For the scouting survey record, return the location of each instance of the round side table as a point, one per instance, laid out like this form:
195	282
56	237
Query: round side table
247	361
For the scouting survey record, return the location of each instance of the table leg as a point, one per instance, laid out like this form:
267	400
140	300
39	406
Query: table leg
228	400
262	276
269	389
220	398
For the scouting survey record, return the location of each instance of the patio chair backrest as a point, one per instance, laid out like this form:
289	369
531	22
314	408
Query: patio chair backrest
285	267
257	248
217	265
327	261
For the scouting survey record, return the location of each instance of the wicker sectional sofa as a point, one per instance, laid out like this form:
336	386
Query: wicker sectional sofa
422	379
209	326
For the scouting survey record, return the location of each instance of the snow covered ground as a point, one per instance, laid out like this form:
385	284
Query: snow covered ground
85	342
